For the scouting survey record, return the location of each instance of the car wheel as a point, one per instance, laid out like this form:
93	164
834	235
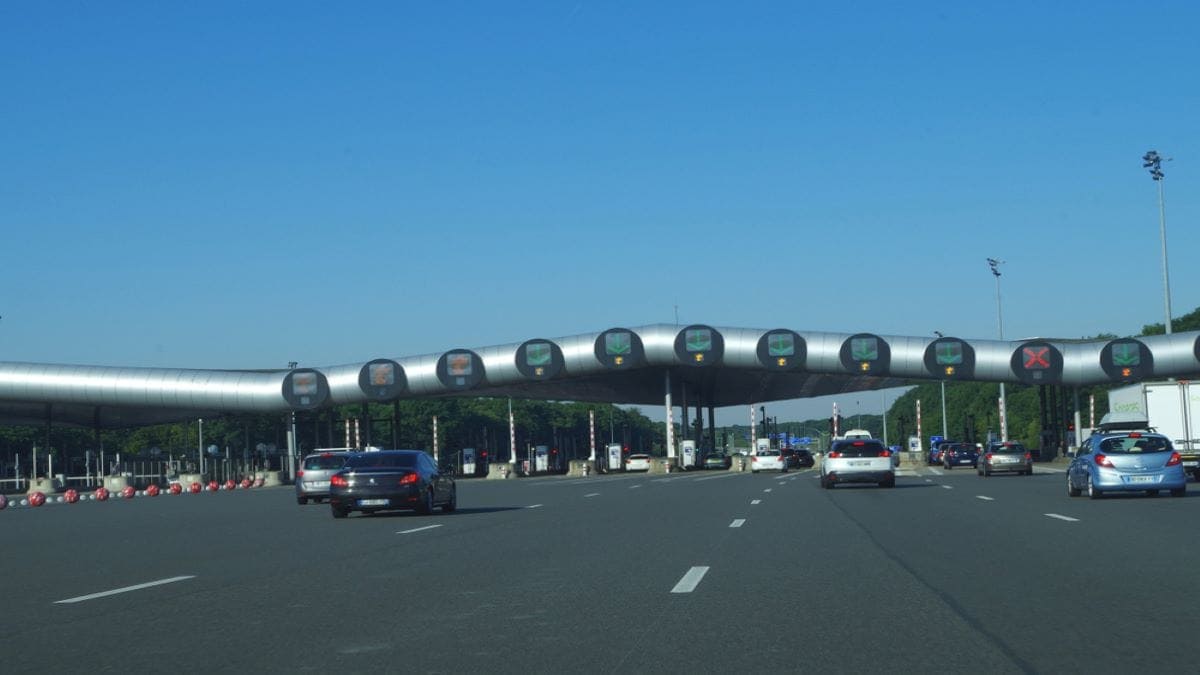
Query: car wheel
753	470
426	506
338	512
889	483
1072	491
987	473
1179	492
301	500
1091	489
1151	493
452	505
947	467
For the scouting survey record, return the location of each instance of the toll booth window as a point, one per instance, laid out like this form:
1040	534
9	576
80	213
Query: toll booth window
864	349
781	344
304	384
537	354
1126	354
459	364
698	340
949	353
381	374
618	344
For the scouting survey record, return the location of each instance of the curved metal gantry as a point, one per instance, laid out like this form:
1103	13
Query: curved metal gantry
710	365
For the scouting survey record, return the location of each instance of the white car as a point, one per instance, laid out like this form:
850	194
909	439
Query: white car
859	461
637	462
767	460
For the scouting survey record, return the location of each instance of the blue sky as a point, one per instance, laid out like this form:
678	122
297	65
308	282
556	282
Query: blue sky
246	184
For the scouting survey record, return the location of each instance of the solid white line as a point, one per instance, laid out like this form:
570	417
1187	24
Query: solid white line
594	494
1069	519
418	529
986	499
738	522
138	587
690	581
755	501
634	486
535	506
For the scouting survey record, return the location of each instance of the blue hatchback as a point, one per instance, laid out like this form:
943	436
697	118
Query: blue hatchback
1128	461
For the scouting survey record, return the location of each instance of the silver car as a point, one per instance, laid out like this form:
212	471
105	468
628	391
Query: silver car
312	479
1005	457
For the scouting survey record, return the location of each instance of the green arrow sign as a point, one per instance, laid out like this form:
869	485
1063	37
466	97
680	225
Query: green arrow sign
1126	354
864	349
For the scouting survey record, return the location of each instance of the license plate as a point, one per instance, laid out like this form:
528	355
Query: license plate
861	463
373	502
318	484
1194	465
1141	479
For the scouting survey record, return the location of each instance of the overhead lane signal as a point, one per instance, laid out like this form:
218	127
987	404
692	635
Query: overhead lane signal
950	358
866	354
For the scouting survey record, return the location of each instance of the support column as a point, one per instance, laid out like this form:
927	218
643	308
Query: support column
670	423
712	427
685	427
395	423
1078	429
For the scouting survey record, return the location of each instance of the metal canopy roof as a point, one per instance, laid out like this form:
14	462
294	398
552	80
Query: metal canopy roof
705	365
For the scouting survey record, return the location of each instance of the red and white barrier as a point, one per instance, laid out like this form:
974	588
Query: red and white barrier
3	502
128	492
213	486
101	494
71	496
37	498
152	490
175	488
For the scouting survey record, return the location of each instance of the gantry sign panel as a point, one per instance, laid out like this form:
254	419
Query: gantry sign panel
949	358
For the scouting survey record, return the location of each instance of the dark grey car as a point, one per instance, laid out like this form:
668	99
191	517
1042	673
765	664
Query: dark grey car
385	480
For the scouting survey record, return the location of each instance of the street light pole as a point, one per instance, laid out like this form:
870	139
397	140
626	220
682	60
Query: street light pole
945	433
1151	160
995	263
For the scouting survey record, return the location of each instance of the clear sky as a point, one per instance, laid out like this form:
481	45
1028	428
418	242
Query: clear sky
245	184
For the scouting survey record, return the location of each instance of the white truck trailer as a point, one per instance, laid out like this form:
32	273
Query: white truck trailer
1171	408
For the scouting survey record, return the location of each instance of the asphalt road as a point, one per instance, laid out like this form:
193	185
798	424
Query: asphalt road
697	572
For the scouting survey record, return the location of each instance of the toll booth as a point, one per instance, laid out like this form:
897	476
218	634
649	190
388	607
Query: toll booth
687	454
541	458
613	457
468	461
761	444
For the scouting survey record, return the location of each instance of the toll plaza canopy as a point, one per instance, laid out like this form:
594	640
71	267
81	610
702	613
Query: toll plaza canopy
696	365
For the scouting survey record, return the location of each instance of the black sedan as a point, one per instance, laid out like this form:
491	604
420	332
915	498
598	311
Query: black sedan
385	480
803	458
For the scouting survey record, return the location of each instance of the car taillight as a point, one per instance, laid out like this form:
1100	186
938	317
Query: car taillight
1102	460
835	454
1175	460
988	457
339	481
884	453
299	473
754	458
409	479
1028	456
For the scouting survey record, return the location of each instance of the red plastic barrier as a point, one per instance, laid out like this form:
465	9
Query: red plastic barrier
152	491
229	484
194	488
128	492
3	502
258	482
71	496
37	499
246	483
213	486
175	488
101	494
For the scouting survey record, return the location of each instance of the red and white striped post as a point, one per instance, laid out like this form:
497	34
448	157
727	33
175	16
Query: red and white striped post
592	434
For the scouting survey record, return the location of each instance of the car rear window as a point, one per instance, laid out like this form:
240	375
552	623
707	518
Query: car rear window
1132	445
1008	448
767	453
860	449
382	460
324	462
963	448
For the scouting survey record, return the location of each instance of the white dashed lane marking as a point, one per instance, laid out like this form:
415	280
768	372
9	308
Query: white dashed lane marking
738	522
593	494
126	589
755	501
690	581
1056	516
418	529
986	499
534	506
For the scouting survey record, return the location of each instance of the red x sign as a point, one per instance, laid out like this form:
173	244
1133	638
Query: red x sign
1035	358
